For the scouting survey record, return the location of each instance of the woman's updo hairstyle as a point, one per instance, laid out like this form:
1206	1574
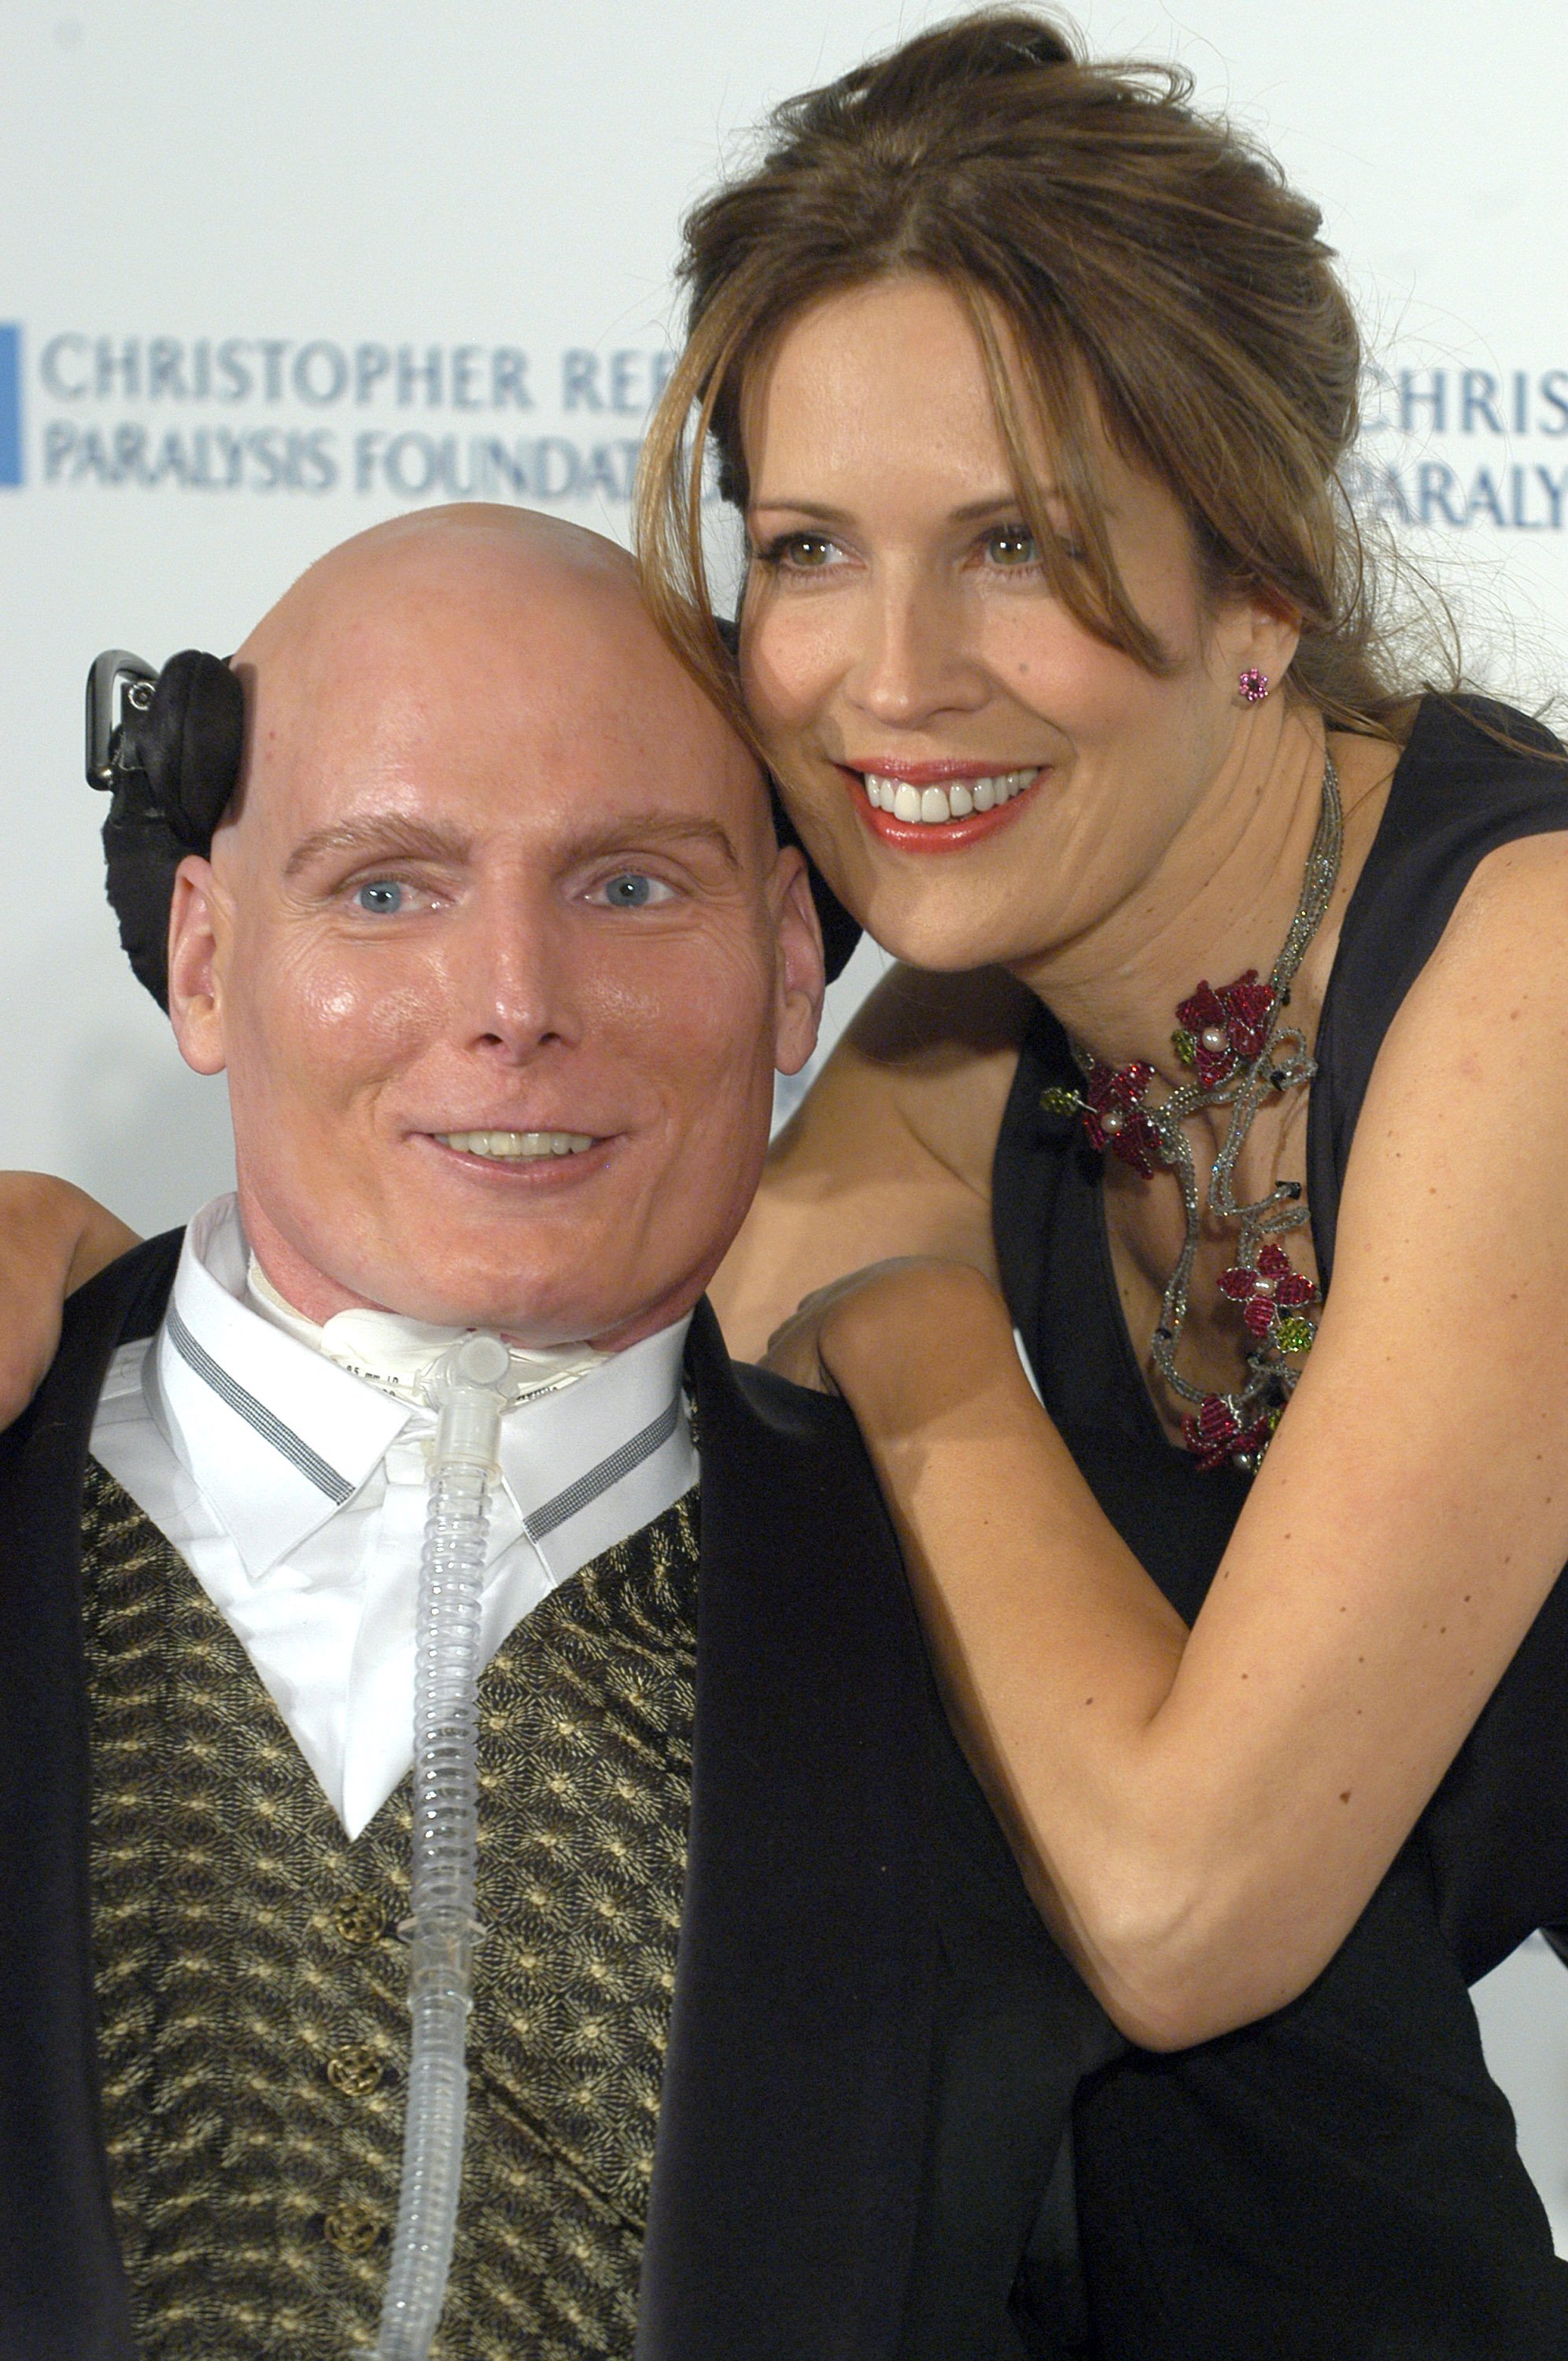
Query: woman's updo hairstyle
1145	256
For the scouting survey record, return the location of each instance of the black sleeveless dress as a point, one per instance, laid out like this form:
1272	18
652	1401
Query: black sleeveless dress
1355	2137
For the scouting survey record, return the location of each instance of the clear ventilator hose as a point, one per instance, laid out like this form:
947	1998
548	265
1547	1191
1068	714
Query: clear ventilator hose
469	1389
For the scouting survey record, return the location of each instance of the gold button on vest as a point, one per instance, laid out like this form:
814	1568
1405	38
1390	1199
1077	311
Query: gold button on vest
253	2002
359	1919
356	2071
352	2228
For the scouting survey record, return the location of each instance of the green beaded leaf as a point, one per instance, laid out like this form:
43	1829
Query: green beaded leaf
1294	1335
1185	1046
1059	1101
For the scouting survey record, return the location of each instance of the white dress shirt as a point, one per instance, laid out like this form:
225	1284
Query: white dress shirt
296	1491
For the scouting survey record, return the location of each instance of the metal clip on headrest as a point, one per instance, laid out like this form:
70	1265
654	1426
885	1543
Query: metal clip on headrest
116	681
166	747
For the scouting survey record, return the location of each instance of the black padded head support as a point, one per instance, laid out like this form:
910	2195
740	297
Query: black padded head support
175	767
840	932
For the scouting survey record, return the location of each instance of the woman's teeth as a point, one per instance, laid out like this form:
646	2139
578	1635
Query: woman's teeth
515	1145
957	800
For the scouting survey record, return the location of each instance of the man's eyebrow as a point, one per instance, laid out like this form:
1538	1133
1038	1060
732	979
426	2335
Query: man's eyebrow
387	837
393	837
627	832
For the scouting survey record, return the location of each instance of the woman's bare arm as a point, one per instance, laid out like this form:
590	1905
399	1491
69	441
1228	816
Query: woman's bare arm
888	1154
1205	1817
52	1238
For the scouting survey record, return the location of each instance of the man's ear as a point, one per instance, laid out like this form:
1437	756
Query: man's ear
801	977
194	997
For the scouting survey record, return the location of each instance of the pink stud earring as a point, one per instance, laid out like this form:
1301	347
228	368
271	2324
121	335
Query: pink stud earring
1254	684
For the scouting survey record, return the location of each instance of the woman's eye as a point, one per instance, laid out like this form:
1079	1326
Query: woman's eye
634	890
1010	544
800	553
382	898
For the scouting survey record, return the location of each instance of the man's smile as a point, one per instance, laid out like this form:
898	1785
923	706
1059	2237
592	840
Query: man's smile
526	1160
516	1147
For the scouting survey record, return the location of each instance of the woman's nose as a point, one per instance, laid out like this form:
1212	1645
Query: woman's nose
913	663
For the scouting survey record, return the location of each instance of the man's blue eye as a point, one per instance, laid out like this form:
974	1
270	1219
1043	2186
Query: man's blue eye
381	897
631	892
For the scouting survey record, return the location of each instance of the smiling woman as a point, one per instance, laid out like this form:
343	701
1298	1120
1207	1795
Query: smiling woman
869	666
1033	385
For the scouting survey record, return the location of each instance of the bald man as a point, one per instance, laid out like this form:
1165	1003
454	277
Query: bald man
770	2055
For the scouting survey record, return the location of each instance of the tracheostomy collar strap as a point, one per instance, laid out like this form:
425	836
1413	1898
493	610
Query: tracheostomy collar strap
398	1354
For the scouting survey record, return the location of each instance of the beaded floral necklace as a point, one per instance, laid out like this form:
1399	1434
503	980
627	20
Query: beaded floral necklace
1239	1048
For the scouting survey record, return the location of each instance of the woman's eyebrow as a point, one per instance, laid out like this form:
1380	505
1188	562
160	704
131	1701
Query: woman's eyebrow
989	504
994	503
391	837
818	509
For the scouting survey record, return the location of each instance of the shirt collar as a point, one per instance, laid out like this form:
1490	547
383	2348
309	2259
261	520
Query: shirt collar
277	1438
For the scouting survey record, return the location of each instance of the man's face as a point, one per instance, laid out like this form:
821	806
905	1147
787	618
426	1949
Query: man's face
500	953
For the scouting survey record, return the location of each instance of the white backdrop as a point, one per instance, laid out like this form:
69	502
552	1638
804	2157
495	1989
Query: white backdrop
272	271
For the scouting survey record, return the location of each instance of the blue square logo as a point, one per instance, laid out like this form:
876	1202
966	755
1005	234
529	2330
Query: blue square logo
10	403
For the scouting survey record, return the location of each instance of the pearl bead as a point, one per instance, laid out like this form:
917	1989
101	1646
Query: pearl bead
1212	1037
1111	1122
1262	1286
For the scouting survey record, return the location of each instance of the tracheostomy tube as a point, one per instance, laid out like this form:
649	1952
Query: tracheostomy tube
470	1388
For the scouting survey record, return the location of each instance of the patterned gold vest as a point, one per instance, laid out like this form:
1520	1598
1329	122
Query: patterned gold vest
251	1992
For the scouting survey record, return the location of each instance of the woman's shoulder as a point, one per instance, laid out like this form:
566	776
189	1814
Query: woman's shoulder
1474	777
1473	772
924	1067
1466	726
888	1154
943	1049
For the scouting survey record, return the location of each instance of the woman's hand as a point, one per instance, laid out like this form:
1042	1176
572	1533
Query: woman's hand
853	1320
53	1239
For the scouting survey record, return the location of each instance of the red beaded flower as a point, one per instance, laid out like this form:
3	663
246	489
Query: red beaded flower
1216	1434
1114	1118
1264	1293
1221	1030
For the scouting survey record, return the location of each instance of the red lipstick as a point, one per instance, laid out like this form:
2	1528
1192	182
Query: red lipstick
935	836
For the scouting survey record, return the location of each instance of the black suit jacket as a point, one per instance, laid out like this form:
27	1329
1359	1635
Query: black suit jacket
816	1994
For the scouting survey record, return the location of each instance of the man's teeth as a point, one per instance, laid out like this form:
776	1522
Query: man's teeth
957	800
516	1146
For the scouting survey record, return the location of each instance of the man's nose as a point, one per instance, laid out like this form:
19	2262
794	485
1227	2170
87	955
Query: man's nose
519	988
914	662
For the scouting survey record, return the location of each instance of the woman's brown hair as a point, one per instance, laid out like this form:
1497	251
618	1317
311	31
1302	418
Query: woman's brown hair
1145	258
